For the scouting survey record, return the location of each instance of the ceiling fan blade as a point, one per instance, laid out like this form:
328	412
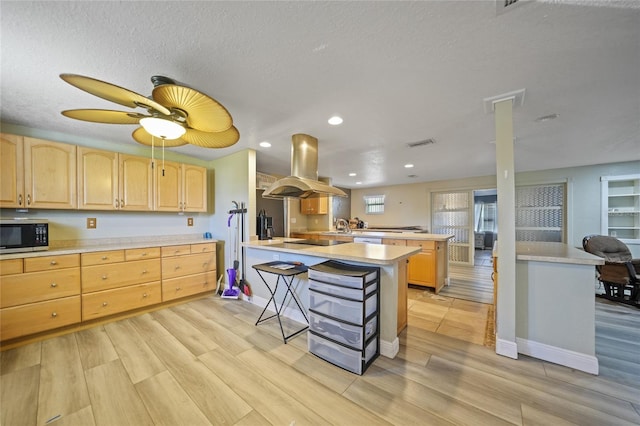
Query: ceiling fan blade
112	93
104	116
141	136
212	139
203	112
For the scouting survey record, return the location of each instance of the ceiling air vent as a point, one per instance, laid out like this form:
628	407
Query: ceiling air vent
429	141
503	6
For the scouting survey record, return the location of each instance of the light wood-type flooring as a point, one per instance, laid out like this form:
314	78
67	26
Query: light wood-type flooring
204	362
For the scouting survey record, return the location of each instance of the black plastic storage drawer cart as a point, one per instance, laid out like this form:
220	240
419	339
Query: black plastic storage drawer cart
344	306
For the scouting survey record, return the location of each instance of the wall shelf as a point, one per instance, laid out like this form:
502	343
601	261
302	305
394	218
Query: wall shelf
620	216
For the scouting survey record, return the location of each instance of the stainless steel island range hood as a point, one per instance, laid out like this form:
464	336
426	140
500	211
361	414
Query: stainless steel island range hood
303	182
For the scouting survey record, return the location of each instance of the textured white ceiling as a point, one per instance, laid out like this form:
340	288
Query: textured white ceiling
397	72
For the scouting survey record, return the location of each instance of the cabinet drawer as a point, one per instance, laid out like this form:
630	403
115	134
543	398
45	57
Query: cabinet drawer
340	309
108	302
351	335
426	245
336	290
176	250
203	248
38	286
349	359
186	286
142	253
102	257
104	277
173	267
10	266
48	263
35	317
394	242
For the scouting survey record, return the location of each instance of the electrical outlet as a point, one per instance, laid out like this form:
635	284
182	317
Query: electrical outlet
189	221
92	223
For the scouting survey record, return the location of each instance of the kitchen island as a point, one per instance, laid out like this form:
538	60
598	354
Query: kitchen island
427	268
391	260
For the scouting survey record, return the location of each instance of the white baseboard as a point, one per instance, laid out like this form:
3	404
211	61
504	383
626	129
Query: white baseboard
576	360
506	348
390	349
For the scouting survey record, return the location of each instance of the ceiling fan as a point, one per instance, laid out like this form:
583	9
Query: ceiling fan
176	114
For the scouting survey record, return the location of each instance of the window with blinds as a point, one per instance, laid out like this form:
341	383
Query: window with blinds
374	204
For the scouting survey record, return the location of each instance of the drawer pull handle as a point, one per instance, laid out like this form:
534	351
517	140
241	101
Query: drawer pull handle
144	254
144	294
117	204
54	314
28	199
53	262
54	285
178	288
177	267
204	265
144	271
104	303
122	203
20	199
104	257
104	277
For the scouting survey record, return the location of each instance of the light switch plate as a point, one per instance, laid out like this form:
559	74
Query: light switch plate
189	221
92	223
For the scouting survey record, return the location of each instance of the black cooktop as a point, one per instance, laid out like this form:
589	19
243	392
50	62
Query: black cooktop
317	242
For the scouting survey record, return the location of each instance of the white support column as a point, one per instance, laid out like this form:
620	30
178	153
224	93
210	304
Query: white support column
505	177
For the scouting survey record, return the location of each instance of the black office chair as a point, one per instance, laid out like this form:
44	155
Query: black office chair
620	274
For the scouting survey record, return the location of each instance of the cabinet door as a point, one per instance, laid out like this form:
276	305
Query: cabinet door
11	171
168	186
97	179
49	174
317	205
135	183
194	188
421	269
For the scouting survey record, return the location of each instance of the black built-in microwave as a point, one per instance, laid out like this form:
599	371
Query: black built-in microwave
23	235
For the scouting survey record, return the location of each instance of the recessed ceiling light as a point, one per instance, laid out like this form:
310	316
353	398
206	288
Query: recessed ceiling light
335	120
546	118
408	166
265	144
358	183
352	174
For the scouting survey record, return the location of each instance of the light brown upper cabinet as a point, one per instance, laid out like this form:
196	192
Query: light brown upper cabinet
112	181
180	187
37	173
317	205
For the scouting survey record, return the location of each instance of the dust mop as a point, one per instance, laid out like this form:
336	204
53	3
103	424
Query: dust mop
232	291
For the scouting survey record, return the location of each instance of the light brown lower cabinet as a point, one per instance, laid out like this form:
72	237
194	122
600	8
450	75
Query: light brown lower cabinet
187	272
44	293
428	268
39	294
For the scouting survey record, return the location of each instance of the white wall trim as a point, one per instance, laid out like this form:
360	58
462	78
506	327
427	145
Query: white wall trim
506	348
577	360
390	349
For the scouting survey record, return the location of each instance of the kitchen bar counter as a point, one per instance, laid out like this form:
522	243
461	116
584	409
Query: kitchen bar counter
392	261
554	304
401	235
102	244
374	254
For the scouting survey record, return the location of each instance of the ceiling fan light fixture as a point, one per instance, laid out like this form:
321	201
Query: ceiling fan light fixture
162	128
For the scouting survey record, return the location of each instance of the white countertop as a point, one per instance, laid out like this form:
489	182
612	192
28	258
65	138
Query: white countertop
102	244
403	235
554	253
377	254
